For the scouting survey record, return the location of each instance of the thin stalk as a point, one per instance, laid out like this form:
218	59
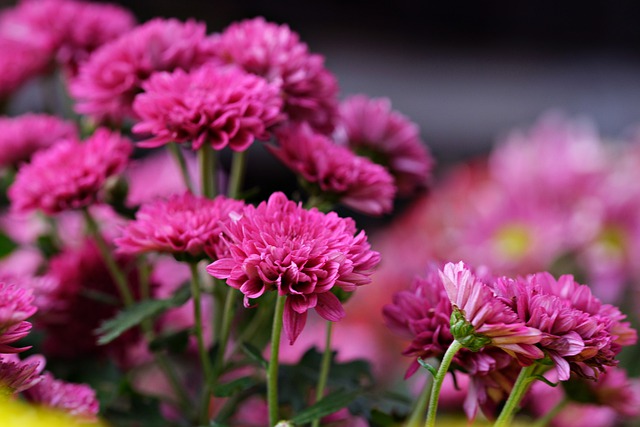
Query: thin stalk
272	373
116	273
437	382
324	369
238	165
177	154
549	416
420	409
518	391
207	164
202	350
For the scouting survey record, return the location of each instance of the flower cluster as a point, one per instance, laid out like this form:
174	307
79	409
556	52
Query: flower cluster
300	253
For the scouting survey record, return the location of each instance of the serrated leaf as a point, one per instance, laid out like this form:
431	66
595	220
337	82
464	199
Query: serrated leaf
233	387
328	405
135	314
254	354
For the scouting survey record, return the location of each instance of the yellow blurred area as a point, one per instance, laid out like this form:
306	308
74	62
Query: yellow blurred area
19	414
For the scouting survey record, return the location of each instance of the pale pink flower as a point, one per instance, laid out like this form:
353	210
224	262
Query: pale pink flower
220	106
337	174
16	306
371	128
299	253
22	136
76	399
108	82
19	375
493	322
70	174
277	54
183	225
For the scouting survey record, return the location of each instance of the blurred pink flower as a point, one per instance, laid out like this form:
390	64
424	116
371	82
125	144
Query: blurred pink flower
181	225
221	106
108	82
300	253
70	174
371	128
19	62
16	306
22	136
76	399
276	53
19	375
339	174
493	322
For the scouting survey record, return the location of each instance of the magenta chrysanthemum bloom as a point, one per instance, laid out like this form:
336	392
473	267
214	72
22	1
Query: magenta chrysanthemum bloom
76	399
371	128
70	174
338	174
221	106
277	54
16	306
181	225
19	375
108	82
421	314
300	253
482	319
22	136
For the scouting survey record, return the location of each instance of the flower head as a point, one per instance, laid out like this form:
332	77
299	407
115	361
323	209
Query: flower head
21	137
221	106
336	171
108	82
19	62
76	399
70	174
183	224
277	54
18	375
16	306
480	318
371	128
300	253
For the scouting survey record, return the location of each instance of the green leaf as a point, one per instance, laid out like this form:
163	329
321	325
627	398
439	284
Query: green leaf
6	245
233	387
135	314
254	354
428	367
328	405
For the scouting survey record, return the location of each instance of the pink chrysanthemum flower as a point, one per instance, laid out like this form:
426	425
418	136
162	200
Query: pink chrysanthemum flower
371	128
16	306
480	318
302	254
19	375
423	315
338	173
70	174
221	106
277	54
22	136
19	62
108	82
181	225
76	399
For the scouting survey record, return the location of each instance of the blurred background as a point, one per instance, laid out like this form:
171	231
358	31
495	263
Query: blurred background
466	72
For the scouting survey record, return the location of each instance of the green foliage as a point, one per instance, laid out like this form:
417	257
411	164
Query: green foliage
6	245
173	341
328	405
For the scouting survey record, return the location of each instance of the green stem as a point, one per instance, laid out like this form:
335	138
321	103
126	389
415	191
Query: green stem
107	255
518	391
549	416
272	373
207	163
238	165
420	409
175	150
324	369
202	350
437	382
